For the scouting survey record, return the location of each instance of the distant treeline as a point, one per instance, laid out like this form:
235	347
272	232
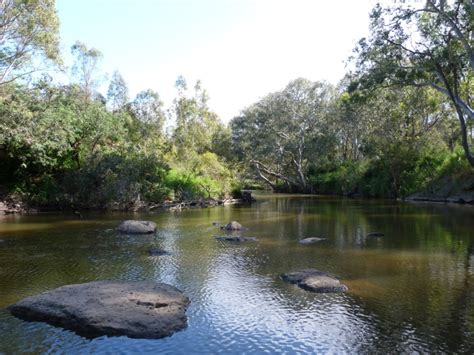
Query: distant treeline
397	123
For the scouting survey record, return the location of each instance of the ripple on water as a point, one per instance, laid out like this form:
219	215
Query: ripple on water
406	294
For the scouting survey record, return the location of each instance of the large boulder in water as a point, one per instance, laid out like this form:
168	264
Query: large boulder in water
315	281
232	226
141	309
137	227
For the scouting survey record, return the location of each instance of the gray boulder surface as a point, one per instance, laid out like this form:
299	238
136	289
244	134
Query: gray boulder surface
315	281
137	227
232	226
142	309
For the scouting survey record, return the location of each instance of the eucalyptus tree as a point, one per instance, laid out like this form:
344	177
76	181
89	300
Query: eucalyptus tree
28	29
117	93
196	123
147	107
86	69
285	131
429	45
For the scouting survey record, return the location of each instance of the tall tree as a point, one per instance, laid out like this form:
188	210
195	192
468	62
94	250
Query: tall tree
27	28
117	94
85	68
196	124
431	45
289	127
148	108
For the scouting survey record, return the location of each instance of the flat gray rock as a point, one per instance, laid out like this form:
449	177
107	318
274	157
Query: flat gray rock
232	226
315	281
137	227
310	240
141	309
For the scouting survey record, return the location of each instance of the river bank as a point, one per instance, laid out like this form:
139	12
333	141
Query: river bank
447	190
12	204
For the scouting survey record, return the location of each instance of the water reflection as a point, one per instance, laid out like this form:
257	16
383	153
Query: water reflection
410	290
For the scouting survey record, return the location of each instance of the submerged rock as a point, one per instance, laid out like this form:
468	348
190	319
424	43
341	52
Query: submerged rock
158	252
137	227
141	309
232	226
235	238
375	234
315	281
310	240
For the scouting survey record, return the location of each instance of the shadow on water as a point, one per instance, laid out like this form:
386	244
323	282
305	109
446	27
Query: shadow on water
410	290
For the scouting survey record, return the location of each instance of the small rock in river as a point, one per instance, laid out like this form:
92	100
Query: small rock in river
143	309
375	234
310	240
235	238
233	226
137	227
315	281
158	252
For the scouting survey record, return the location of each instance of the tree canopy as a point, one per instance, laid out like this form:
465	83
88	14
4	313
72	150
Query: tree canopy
431	45
28	29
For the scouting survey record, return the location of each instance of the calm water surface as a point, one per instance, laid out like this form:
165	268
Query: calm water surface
411	290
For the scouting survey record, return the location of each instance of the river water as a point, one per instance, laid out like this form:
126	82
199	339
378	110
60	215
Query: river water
411	290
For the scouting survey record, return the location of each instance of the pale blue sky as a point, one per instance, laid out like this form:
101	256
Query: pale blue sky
240	49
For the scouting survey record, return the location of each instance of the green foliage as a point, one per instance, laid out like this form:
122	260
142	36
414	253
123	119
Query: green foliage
117	181
61	151
342	179
28	28
117	94
204	177
375	177
386	130
196	124
85	69
429	46
279	135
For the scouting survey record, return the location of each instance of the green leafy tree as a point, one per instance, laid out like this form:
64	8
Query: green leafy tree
28	29
117	93
148	108
429	45
196	124
86	69
290	129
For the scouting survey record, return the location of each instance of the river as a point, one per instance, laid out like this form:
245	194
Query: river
410	290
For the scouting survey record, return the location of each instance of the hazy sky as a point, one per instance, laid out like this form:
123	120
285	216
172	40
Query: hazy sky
240	49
